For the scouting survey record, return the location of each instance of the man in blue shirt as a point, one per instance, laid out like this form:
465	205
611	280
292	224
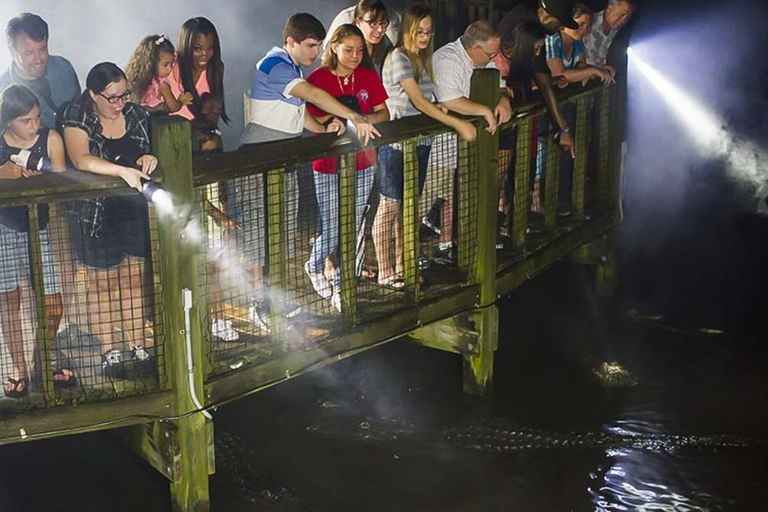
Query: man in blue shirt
50	77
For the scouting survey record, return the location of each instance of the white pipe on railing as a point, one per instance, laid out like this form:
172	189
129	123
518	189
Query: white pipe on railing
186	295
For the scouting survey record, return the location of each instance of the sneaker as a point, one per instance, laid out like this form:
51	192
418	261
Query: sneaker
142	363
222	329
445	256
112	364
336	301
424	262
319	282
432	218
258	312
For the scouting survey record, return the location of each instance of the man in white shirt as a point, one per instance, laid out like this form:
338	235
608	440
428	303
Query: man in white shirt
453	66
605	26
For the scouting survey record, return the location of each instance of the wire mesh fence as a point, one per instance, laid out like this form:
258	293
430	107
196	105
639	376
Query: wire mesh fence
79	300
298	255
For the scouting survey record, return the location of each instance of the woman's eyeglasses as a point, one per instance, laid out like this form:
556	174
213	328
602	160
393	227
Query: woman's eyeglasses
118	98
382	24
425	33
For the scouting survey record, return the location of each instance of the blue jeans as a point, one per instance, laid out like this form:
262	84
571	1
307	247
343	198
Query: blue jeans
327	192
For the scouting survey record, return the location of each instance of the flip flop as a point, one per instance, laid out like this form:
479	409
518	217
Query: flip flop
368	274
14	392
393	283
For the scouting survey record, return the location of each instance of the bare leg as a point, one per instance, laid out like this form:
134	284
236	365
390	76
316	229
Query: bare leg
54	307
102	305
399	251
382	237
10	303
446	222
131	285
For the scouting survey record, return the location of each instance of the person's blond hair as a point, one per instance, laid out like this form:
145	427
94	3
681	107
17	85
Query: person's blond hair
421	60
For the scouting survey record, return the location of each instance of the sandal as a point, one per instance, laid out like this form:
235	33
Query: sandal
368	275
393	283
15	392
112	364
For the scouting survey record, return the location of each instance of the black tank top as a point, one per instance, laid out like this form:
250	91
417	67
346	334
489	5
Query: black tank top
16	217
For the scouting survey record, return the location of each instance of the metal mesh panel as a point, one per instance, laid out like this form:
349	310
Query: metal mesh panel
79	301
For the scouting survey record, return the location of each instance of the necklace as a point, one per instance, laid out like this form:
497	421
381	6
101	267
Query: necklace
346	80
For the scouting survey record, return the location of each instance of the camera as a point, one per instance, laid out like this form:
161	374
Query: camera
26	159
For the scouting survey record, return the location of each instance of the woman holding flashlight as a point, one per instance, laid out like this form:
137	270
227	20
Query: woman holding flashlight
104	133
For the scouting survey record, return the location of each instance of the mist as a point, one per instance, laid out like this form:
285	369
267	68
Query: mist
91	31
712	53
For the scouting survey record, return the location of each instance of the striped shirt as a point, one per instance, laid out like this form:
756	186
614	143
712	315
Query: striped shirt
397	68
272	105
555	50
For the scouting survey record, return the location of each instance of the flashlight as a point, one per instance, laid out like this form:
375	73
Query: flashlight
151	190
26	159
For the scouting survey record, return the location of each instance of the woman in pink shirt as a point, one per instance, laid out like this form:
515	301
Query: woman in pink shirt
198	68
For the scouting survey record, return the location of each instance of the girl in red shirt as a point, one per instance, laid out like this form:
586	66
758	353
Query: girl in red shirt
348	75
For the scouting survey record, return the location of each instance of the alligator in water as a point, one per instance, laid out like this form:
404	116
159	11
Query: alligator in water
504	436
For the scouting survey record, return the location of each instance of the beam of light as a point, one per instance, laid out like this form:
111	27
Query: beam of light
747	163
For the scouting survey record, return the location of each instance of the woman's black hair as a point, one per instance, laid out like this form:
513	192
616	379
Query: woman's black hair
521	52
98	79
15	101
215	70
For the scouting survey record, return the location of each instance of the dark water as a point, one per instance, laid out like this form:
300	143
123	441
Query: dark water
390	430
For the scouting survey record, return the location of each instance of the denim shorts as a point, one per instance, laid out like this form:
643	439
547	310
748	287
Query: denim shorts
15	263
391	164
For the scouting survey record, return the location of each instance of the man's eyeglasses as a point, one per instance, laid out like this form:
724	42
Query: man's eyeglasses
490	56
383	24
119	98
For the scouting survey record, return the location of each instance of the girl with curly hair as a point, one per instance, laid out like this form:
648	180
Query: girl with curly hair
148	71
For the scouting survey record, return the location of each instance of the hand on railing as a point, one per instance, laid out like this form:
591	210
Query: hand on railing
503	111
490	121
336	126
560	81
365	130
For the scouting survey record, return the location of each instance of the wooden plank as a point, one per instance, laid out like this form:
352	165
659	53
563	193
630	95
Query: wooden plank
552	180
521	201
87	417
467	206
522	271
157	443
457	334
364	337
277	244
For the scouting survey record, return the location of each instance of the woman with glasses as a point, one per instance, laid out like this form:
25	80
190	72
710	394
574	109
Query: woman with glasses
409	80
106	134
379	26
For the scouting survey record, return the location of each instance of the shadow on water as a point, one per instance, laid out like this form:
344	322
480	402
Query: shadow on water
390	430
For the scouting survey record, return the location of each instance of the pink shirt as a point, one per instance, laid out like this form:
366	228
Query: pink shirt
152	97
174	80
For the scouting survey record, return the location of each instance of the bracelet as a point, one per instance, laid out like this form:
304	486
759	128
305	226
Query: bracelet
562	131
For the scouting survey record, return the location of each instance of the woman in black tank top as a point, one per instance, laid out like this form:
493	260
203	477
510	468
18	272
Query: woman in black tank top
20	131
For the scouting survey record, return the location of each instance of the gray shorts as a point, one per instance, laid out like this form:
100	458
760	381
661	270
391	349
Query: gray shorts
15	260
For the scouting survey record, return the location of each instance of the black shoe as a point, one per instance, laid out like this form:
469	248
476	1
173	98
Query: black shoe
112	364
432	218
445	256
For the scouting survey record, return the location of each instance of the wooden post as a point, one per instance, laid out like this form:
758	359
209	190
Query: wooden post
478	368
43	344
580	164
552	180
179	266
521	202
411	222
348	237
604	148
277	253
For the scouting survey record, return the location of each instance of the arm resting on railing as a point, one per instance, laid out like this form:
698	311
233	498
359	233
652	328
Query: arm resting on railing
553	105
76	141
464	128
468	107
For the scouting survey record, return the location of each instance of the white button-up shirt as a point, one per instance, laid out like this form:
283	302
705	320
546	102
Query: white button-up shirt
453	69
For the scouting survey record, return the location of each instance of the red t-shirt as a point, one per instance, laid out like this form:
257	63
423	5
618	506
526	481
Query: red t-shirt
365	85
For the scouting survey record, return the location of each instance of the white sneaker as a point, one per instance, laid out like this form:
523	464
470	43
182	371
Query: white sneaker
336	301
223	330
259	315
319	282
